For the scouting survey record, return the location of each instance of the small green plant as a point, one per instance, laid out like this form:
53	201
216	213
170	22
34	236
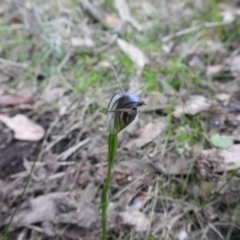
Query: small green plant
121	111
151	79
87	80
128	64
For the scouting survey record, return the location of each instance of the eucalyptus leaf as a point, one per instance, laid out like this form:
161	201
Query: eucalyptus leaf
221	141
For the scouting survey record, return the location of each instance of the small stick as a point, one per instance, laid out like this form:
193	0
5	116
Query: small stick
193	29
116	77
15	64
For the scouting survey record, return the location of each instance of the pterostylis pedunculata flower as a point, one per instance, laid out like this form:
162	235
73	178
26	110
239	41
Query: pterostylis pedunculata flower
121	111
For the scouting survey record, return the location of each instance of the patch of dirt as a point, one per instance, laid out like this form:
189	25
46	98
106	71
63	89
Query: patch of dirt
11	157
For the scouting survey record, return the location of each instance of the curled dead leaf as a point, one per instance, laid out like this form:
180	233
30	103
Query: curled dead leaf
235	66
137	219
55	207
150	132
9	100
213	70
134	53
23	128
193	106
125	15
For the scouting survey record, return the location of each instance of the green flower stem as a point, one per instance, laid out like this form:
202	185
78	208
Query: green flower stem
112	150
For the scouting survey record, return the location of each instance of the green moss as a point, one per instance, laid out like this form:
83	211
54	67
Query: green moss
84	80
190	132
127	64
150	78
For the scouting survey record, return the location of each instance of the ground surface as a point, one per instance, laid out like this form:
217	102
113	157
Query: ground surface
176	173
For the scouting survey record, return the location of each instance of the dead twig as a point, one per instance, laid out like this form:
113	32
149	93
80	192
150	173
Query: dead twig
192	29
66	154
15	64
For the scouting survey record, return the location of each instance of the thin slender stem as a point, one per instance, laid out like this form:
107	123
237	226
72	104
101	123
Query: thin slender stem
6	231
112	150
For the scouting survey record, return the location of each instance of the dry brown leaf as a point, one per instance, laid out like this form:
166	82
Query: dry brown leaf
139	201
77	41
112	22
228	159
213	70
127	171
235	66
64	104
208	163
224	98
137	219
178	166
195	62
212	161
81	42
193	106
148	8
134	53
10	100
94	11
23	128
182	235
125	15
229	13
55	207
150	132
52	94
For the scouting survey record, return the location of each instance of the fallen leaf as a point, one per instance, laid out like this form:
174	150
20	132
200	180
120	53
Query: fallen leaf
228	13
77	41
178	166
230	158
16	20
134	53
127	171
182	235
150	132
112	22
88	42
207	163
213	70
235	66
125	15
55	207
194	61
221	141
11	101
52	94
139	201
64	103
148	8
193	106
135	218
223	97
23	128
167	47
212	161
94	11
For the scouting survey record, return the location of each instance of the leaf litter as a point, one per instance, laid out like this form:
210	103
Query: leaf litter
177	166
23	127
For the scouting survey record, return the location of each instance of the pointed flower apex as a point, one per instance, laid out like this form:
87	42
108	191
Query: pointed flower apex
122	110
